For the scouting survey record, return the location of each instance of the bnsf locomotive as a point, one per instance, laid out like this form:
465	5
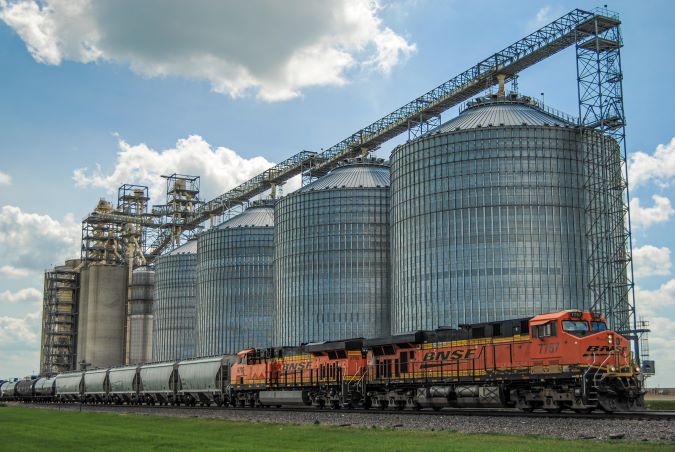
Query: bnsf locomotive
556	361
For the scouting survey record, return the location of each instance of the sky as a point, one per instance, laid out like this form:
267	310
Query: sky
101	93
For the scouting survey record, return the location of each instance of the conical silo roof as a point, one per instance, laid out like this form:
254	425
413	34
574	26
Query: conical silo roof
188	248
354	173
260	214
499	112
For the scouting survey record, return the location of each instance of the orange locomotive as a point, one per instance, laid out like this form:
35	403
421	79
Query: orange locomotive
563	360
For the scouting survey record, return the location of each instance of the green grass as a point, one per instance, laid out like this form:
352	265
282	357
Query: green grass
32	429
660	404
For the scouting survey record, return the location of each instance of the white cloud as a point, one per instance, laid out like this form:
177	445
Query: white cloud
658	167
20	330
14	272
219	168
272	48
649	260
658	308
643	217
651	301
544	16
34	242
29	294
5	179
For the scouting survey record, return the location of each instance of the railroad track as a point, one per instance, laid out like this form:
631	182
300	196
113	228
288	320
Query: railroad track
642	415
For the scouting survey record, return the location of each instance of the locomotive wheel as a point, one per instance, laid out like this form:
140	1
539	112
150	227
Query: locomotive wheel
437	408
583	410
609	405
527	409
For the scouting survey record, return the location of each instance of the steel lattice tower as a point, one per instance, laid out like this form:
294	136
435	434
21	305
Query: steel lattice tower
600	90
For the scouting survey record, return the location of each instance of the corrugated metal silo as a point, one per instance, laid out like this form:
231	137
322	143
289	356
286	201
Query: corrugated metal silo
140	325
173	326
106	315
331	263
488	218
235	307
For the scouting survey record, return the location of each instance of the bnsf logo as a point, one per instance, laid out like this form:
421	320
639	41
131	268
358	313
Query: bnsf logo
603	348
451	355
296	366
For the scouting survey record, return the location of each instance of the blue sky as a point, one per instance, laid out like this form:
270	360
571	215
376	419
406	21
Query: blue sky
135	99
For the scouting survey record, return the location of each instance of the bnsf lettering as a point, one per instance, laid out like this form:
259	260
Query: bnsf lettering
296	366
451	355
604	348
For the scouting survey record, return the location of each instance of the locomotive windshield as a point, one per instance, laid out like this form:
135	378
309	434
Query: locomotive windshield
598	326
575	326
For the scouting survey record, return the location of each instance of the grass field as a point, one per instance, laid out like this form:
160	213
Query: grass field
35	429
660	404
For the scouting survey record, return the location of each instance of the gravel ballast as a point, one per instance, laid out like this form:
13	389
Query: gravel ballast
567	428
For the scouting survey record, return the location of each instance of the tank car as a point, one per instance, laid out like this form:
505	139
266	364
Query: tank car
45	390
25	389
8	390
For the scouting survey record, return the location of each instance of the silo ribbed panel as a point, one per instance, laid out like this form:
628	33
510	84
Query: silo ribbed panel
488	220
173	328
236	291
332	257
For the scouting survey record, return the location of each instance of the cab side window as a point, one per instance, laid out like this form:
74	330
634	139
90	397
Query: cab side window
546	330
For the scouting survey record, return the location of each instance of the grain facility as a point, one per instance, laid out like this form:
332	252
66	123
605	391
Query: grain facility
235	306
506	210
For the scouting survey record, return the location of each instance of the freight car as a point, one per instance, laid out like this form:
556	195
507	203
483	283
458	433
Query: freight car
25	389
8	391
556	361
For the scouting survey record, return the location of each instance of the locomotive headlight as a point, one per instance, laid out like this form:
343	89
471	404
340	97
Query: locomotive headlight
609	338
637	368
612	369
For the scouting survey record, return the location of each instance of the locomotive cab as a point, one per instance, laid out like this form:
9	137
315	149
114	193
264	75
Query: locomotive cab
563	338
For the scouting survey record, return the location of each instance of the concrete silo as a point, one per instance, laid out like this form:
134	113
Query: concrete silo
106	315
173	326
82	317
331	264
235	307
488	217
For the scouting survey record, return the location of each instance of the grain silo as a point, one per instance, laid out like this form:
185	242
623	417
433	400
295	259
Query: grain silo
488	217
331	264
82	317
235	307
173	326
106	315
140	321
